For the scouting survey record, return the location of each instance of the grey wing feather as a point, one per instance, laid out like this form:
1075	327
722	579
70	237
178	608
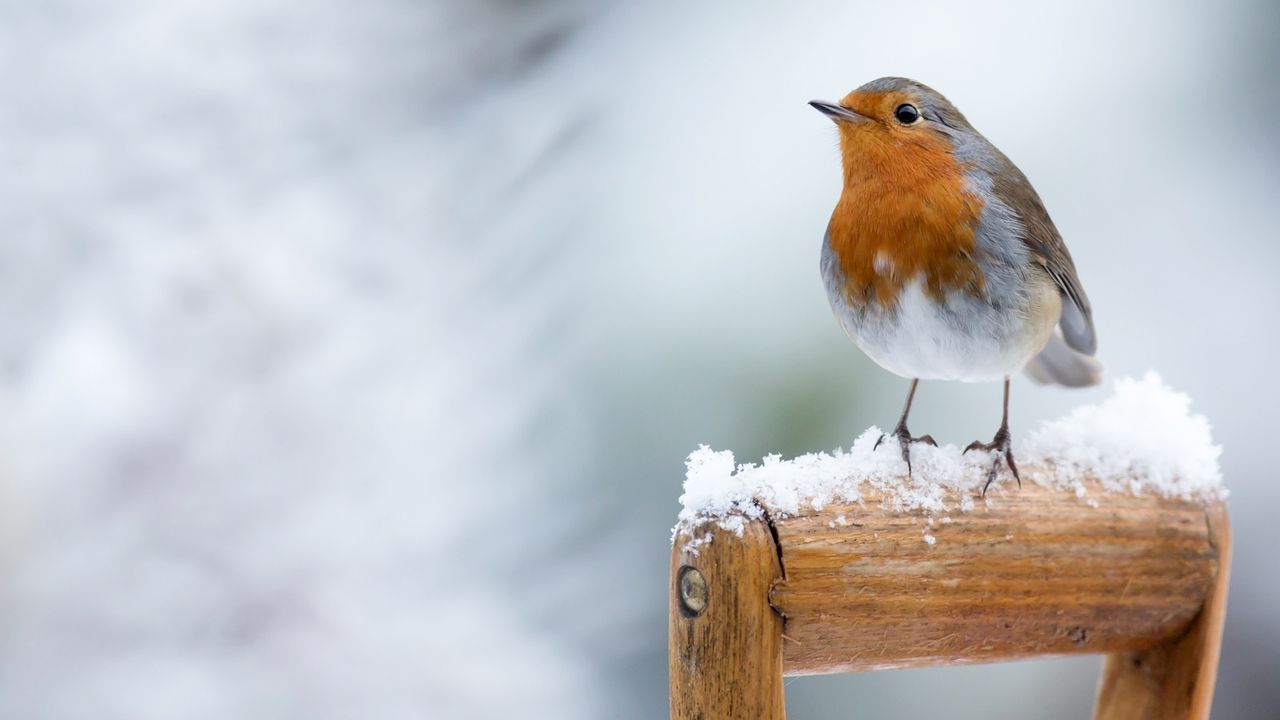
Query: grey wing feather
1045	244
1077	317
1057	363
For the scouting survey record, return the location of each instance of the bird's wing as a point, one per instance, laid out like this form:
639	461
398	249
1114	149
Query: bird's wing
1057	363
1046	246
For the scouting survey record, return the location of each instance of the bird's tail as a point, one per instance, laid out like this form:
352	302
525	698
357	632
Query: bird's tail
1058	363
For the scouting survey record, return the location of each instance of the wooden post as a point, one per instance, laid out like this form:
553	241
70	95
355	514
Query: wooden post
1175	678
724	641
1029	573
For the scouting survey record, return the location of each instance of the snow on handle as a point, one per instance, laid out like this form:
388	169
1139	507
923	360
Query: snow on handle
1142	439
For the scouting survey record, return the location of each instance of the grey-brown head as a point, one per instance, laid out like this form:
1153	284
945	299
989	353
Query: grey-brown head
897	102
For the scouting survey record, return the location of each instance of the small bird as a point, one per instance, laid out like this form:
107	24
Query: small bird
940	260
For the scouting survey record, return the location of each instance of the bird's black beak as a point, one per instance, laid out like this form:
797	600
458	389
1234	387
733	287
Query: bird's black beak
836	112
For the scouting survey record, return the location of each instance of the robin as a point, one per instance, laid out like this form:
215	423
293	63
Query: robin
940	260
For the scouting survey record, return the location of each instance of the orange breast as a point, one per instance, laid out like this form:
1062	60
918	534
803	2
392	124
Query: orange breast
905	212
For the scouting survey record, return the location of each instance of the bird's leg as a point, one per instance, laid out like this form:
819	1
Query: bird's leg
904	435
1002	444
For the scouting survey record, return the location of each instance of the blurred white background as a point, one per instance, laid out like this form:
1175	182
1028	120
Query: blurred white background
349	353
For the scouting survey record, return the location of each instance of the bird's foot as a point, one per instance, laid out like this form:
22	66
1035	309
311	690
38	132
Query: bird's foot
1003	446
904	441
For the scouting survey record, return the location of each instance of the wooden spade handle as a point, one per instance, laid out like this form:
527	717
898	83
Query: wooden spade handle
1035	572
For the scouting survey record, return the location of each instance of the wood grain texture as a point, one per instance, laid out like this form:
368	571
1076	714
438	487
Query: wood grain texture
726	662
1032	572
1175	678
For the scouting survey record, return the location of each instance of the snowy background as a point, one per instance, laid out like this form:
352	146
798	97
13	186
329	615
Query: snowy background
350	353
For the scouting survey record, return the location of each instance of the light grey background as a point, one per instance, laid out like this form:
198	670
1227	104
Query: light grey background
350	352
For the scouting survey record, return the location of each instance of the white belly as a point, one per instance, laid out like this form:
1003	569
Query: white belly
965	338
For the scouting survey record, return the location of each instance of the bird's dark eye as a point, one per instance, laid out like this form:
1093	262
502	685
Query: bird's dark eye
906	114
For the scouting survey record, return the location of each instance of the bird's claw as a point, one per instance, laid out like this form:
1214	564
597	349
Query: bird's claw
905	441
1002	444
